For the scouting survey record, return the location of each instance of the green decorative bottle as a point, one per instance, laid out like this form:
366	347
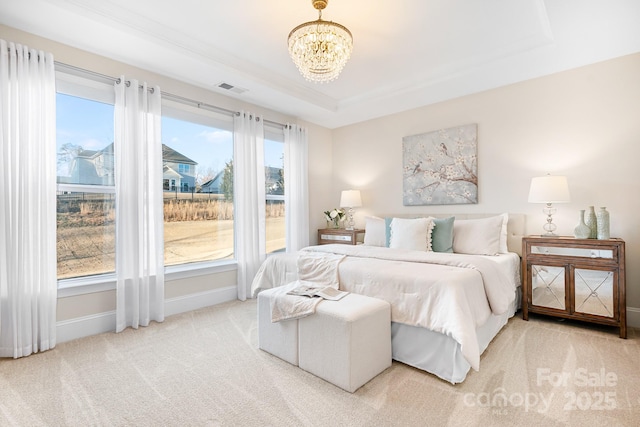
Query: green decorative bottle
590	220
582	230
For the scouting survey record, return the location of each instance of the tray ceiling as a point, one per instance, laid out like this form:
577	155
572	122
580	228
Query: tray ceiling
407	53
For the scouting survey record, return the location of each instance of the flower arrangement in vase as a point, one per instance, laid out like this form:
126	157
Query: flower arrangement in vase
334	217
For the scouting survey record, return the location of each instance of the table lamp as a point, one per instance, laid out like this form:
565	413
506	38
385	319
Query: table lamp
350	199
549	189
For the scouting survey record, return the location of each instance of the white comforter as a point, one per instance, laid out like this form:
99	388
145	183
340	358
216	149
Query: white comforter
451	294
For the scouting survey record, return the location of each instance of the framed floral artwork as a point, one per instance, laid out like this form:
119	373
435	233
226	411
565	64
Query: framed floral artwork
441	167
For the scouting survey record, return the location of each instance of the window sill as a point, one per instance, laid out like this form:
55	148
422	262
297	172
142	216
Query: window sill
86	285
107	282
184	271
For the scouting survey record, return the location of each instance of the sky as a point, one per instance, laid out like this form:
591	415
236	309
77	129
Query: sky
89	124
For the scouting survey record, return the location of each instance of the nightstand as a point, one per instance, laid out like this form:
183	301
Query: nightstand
338	235
581	279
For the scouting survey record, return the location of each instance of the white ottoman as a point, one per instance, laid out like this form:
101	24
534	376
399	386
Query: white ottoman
280	338
346	342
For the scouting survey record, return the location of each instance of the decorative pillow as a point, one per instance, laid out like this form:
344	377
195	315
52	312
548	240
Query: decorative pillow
503	234
387	231
413	234
477	236
442	235
374	231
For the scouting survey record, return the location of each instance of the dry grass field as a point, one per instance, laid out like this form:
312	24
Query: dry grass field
200	230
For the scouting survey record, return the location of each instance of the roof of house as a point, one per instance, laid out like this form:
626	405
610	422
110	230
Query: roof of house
168	154
171	155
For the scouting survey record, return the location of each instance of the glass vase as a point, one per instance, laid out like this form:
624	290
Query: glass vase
335	223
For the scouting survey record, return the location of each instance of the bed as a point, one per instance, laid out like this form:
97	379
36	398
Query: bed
448	299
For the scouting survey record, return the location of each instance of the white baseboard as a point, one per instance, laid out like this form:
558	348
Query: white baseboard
633	317
200	300
94	324
81	327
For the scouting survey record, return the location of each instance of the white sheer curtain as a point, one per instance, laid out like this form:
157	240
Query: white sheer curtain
249	198
296	184
28	282
139	209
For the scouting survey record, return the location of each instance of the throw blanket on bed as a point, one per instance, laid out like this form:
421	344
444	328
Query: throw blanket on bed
451	294
314	269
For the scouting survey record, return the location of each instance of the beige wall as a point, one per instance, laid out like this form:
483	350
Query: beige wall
321	194
583	123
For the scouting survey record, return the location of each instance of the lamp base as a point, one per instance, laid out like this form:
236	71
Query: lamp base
549	227
350	221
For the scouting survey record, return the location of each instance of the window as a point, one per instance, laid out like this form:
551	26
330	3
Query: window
197	182
198	197
197	171
85	177
274	191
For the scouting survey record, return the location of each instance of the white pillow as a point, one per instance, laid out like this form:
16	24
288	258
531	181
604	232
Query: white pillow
413	234
477	236
504	249
374	231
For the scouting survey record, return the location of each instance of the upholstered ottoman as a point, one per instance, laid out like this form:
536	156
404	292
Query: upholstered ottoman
280	338
346	342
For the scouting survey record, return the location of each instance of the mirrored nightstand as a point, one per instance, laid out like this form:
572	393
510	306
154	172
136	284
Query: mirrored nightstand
581	279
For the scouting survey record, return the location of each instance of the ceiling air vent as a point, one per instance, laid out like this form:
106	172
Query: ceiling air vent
232	88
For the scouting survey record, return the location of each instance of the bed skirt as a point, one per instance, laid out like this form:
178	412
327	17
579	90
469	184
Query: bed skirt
440	354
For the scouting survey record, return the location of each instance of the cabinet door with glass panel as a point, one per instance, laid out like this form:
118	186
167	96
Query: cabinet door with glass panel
582	279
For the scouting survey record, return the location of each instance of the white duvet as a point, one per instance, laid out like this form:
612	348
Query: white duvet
451	294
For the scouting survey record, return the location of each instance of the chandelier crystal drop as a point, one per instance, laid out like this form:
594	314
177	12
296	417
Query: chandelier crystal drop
320	49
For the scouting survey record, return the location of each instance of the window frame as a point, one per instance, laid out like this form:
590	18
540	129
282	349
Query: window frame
203	116
75	83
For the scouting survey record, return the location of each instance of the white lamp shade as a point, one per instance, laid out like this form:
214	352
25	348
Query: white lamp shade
549	189
350	199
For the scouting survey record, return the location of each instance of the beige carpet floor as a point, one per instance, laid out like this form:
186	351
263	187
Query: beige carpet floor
203	368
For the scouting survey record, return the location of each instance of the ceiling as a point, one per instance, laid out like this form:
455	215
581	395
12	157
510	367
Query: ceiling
407	53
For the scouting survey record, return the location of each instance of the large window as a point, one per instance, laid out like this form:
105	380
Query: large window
198	191
197	182
85	196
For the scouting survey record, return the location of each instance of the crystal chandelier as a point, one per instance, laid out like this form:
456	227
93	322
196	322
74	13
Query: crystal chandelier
320	49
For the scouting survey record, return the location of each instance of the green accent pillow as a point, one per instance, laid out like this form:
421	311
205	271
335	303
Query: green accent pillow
387	231
442	235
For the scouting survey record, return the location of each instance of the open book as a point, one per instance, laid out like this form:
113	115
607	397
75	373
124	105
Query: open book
327	292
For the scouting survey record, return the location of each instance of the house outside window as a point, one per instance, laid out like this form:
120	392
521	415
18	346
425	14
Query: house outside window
178	168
